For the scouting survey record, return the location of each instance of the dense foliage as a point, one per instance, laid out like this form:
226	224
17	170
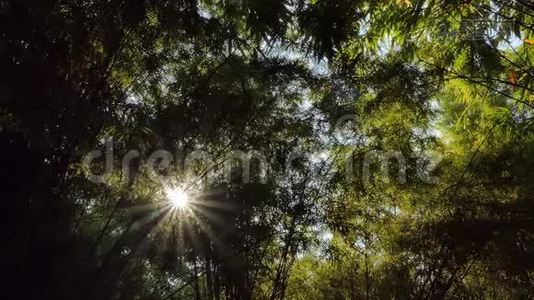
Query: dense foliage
390	147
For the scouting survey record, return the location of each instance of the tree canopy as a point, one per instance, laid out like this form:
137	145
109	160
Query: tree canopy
267	149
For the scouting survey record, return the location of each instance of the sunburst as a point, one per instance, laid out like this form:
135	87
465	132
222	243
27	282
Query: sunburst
177	197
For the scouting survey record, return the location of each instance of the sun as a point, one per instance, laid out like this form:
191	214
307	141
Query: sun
177	197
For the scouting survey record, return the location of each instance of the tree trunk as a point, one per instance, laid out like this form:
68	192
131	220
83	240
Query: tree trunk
209	282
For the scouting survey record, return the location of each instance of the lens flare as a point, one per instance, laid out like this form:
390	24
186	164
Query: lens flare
177	197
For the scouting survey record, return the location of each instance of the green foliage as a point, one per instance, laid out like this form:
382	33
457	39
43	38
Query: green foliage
276	76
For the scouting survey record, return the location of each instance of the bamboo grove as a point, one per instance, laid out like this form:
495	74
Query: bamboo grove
267	149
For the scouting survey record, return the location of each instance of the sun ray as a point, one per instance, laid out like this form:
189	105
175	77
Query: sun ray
177	197
216	204
208	215
206	228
